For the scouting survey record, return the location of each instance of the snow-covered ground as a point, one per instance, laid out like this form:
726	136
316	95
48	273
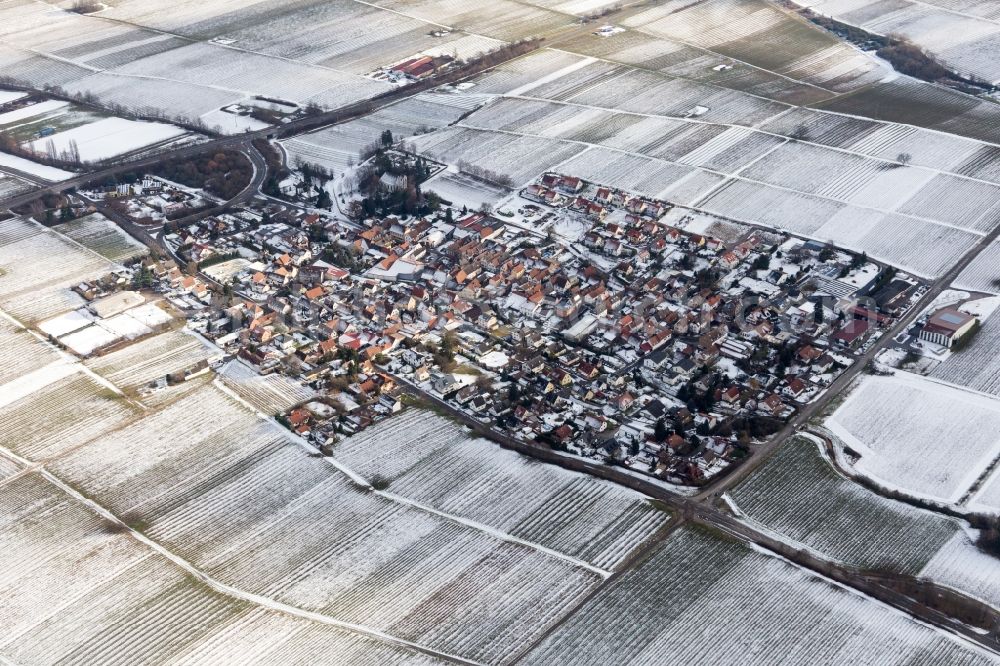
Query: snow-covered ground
109	137
921	436
48	173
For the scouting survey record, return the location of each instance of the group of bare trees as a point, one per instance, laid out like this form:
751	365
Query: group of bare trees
484	174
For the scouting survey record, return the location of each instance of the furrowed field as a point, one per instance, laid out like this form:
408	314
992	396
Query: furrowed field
743	604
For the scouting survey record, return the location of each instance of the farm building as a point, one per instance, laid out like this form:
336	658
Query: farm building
946	326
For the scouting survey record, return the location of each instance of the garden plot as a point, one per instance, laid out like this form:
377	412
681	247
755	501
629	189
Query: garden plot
61	416
152	358
765	36
742	603
224	271
977	366
33	289
449	470
924	438
21	352
109	137
799	496
104	237
521	158
462	190
271	394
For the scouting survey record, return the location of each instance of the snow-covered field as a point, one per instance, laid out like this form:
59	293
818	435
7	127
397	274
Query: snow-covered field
60	416
110	137
104	237
964	36
228	492
21	352
798	495
37	267
150	359
76	590
435	462
336	147
742	605
48	173
270	394
983	273
11	186
925	438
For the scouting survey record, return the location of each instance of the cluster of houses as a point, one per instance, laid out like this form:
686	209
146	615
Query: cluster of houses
644	345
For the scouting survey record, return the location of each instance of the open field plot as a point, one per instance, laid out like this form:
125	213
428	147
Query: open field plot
983	272
963	36
528	71
62	415
645	51
506	20
21	352
921	246
74	589
976	366
798	495
962	565
8	467
270	394
108	137
463	190
521	158
337	146
743	604
37	267
11	186
231	494
150	359
104	237
435	462
925	438
625	88
913	102
762	35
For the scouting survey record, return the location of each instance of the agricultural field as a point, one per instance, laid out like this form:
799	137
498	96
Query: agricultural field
21	352
762	35
521	158
462	190
977	366
919	436
744	604
32	289
271	394
798	495
61	416
11	186
98	233
982	274
338	147
963	36
75	589
152	358
229	492
432	461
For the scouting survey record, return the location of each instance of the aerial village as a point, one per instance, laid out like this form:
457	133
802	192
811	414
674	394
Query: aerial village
572	314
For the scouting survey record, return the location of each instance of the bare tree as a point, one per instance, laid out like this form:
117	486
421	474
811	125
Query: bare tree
904	158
